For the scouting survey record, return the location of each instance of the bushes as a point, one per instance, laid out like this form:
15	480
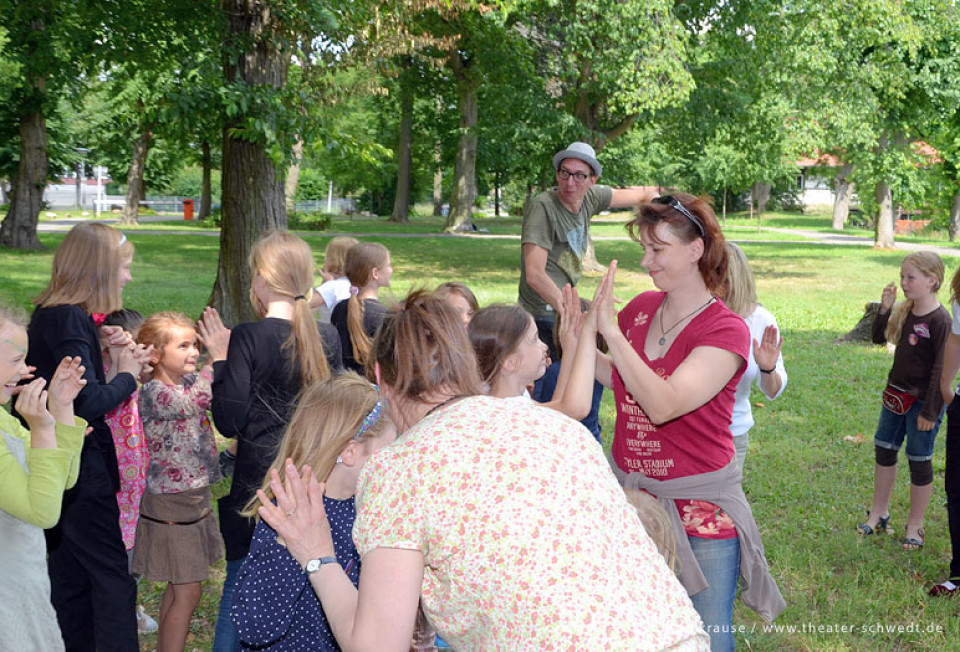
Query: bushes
309	221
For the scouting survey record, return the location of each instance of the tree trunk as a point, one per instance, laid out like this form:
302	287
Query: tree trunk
293	178
135	186
205	190
954	226
760	194
842	189
724	206
437	186
252	193
19	228
496	194
884	221
401	203
464	191
437	169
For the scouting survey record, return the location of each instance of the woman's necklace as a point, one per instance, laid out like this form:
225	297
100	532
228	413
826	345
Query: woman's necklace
440	405
663	333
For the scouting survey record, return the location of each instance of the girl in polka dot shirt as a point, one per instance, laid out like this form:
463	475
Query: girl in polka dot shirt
338	424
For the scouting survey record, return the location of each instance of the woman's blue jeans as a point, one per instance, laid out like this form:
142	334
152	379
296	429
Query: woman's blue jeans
226	638
719	560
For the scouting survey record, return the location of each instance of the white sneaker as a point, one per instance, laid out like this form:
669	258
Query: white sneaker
145	624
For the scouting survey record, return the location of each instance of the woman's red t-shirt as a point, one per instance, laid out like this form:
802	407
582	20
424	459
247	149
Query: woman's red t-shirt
696	442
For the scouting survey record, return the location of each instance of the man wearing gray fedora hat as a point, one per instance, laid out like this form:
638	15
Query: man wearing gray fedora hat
556	231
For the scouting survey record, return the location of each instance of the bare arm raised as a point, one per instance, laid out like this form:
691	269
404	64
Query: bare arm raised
695	381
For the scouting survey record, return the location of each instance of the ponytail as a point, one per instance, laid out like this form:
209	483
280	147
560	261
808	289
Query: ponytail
358	336
305	343
361	260
286	265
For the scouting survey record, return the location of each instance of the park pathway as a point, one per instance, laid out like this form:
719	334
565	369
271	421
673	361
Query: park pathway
804	236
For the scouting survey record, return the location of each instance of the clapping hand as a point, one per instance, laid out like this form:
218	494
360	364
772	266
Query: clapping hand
213	334
32	406
64	387
571	318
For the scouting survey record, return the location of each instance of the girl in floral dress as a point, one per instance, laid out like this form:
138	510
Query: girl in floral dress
177	535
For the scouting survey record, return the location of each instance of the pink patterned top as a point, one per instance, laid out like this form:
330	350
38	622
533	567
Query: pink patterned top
527	539
183	451
132	458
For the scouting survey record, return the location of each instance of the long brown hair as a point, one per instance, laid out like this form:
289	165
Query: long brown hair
713	262
328	416
85	270
495	333
422	347
362	259
285	263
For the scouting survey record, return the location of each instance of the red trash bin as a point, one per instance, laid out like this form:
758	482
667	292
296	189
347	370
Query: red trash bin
188	209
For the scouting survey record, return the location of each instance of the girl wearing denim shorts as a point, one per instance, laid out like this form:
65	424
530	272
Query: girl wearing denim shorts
912	402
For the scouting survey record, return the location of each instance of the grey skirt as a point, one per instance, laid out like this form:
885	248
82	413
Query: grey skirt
177	537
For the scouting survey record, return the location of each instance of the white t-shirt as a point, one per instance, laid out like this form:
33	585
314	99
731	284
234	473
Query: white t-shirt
742	419
332	293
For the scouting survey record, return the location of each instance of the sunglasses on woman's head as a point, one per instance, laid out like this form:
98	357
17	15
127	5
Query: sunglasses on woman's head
674	203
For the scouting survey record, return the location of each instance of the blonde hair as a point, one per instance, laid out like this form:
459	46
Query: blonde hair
656	522
86	267
741	288
928	264
329	415
335	255
362	259
285	263
955	286
158	328
13	316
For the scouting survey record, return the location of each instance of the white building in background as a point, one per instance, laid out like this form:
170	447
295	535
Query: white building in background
64	192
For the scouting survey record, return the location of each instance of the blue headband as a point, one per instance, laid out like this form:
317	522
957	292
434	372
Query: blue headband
371	419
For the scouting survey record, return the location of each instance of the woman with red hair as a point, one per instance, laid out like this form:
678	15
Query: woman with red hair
675	357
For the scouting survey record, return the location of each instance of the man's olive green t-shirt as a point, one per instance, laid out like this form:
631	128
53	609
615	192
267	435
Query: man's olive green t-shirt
549	224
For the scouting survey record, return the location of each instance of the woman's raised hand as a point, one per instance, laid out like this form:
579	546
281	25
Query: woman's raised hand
766	352
64	387
888	297
213	334
603	309
298	517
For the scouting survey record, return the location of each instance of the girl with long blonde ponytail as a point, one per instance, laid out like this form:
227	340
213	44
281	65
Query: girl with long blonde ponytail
358	318
256	385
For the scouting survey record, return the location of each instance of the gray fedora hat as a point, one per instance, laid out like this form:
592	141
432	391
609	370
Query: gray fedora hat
580	151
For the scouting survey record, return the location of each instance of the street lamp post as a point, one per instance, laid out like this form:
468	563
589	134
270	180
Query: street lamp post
81	175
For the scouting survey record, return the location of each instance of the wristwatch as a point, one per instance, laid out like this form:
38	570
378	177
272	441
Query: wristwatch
316	564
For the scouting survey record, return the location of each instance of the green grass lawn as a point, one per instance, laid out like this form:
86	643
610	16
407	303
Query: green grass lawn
808	486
